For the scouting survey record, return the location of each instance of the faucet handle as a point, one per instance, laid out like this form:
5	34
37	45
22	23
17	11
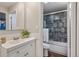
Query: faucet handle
15	38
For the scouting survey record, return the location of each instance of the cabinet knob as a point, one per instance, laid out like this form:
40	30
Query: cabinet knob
26	54
18	52
31	45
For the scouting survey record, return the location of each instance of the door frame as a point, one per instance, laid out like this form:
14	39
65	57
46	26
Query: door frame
71	29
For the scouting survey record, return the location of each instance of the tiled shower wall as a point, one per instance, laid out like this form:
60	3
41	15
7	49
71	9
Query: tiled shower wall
57	25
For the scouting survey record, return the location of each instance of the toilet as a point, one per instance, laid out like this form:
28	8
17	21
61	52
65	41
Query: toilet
45	42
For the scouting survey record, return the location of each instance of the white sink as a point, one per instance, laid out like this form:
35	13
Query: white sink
18	48
13	43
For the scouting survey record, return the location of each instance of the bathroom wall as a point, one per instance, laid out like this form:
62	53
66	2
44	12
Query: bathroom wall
3	10
11	33
34	24
19	8
6	32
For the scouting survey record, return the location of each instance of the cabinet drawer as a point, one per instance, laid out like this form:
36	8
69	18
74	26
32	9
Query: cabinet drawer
24	51
18	52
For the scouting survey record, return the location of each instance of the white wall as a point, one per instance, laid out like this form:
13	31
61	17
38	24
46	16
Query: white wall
34	23
19	8
4	10
8	33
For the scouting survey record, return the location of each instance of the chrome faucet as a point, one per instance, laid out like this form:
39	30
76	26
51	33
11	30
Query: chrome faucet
15	38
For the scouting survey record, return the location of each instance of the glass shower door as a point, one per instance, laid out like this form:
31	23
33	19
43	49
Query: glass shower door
57	25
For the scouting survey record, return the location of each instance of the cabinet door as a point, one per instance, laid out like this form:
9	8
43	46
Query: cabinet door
24	51
30	51
14	53
19	52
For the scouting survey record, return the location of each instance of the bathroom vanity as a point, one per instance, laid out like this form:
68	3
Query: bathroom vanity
19	48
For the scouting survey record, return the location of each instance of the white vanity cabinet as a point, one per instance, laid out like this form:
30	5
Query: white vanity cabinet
25	50
22	50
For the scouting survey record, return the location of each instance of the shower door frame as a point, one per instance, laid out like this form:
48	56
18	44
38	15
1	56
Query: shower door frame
71	29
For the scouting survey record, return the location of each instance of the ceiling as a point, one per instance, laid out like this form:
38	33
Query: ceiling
48	7
6	4
54	6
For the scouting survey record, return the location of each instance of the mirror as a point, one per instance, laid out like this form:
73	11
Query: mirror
2	21
11	15
12	20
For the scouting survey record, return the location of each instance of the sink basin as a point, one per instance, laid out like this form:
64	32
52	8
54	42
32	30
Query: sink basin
18	48
13	43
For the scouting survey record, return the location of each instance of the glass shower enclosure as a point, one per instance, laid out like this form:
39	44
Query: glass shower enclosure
57	25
